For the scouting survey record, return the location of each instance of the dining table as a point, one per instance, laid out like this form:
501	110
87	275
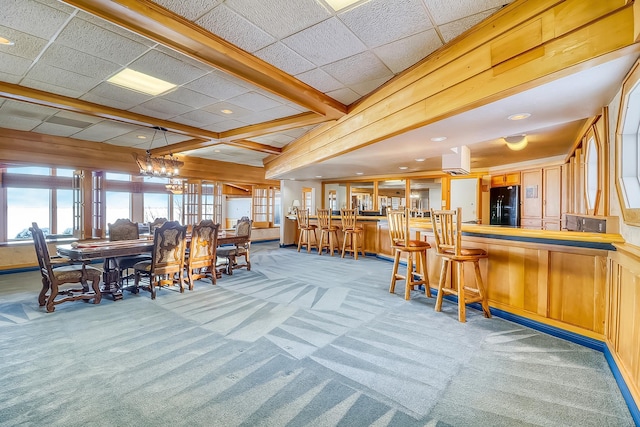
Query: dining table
91	250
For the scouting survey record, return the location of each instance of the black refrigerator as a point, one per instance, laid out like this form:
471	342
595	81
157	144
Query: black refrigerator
505	206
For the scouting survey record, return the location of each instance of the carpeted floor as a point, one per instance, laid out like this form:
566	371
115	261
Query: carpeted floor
300	340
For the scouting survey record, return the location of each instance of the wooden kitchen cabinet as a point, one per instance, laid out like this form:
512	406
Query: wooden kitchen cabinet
505	180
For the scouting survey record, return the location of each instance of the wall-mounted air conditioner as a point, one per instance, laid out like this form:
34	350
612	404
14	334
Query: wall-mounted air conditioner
458	162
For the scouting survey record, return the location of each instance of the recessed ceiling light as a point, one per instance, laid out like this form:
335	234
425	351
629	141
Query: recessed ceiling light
318	176
292	179
420	160
141	137
438	138
6	42
140	82
216	151
516	142
226	111
341	4
403	167
519	116
358	173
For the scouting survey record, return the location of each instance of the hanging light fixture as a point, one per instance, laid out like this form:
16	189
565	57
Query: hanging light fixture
161	166
516	142
176	186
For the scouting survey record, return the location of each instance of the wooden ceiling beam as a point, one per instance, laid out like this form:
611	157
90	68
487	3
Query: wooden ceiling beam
157	23
255	146
273	126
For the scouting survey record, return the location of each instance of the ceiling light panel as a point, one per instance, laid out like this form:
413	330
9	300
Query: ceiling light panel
140	82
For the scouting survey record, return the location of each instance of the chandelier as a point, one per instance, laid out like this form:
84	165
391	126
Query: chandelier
161	166
175	186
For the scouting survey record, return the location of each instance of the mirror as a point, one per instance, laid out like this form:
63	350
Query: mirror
425	193
362	196
391	194
592	172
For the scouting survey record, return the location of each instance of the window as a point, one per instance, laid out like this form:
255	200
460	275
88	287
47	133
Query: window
627	156
118	206
156	205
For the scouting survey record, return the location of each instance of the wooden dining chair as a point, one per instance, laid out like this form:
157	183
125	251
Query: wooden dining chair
306	230
328	232
240	248
123	229
402	244
351	232
447	225
166	266
201	258
58	271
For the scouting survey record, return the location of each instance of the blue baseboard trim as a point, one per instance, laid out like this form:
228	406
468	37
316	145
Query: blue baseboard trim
622	385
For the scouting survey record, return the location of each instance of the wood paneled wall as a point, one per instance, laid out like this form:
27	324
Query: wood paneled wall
623	314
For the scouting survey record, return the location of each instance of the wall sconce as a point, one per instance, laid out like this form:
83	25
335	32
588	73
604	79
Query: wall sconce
516	142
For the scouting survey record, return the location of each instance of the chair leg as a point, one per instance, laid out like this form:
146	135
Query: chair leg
52	298
480	285
425	273
396	261
443	279
42	298
321	243
302	231
462	304
409	278
344	243
95	285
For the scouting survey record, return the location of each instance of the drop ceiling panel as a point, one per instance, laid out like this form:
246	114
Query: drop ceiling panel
227	153
89	38
26	46
326	42
281	18
444	11
165	67
33	18
68	59
14	65
192	9
358	68
189	97
344	95
452	29
320	79
106	130
161	108
284	58
225	125
380	22
215	86
235	29
254	101
125	97
401	54
67	79
198	118
55	129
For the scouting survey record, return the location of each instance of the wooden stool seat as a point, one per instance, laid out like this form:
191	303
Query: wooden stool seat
401	244
328	233
446	230
352	233
306	230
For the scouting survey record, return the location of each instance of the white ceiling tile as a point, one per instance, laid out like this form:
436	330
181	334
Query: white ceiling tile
358	68
123	32
453	29
165	67
47	87
216	86
298	132
345	95
198	118
63	78
326	42
320	80
367	87
281	18
403	53
89	38
25	45
127	97
235	29
32	17
379	22
55	129
13	65
105	130
77	116
100	100
161	108
254	101
443	11
192	9
284	58
225	125
65	58
184	58
217	108
189	97
57	4
275	140
18	123
27	110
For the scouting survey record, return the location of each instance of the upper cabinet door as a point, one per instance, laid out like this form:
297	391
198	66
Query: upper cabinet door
532	193
552	193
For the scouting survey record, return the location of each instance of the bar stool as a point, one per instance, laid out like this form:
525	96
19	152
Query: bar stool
306	230
328	232
446	230
401	244
351	232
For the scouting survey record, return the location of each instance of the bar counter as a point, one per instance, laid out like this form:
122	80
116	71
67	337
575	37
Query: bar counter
553	277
